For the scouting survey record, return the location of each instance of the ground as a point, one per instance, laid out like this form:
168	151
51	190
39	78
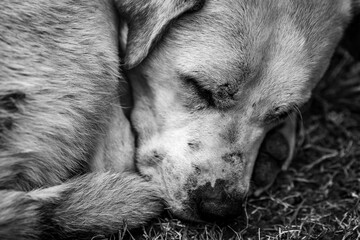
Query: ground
318	197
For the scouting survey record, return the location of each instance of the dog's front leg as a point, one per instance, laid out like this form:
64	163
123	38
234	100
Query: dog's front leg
94	204
115	151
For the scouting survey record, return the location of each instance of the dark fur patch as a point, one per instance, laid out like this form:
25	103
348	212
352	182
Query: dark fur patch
230	134
49	229
6	123
199	4
233	158
191	182
154	159
10	101
197	170
194	145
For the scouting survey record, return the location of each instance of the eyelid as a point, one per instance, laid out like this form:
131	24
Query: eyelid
277	116
201	91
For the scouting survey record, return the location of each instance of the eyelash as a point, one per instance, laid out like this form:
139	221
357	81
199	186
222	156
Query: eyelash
203	93
275	118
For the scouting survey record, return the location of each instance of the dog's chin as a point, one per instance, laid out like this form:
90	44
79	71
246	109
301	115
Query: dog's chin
187	215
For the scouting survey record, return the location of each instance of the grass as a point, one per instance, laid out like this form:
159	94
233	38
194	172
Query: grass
319	196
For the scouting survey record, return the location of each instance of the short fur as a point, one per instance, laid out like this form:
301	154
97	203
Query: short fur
220	79
204	99
65	143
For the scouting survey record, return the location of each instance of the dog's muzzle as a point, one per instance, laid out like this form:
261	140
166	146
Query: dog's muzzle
216	203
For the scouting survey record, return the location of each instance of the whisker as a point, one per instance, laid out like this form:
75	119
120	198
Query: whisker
297	109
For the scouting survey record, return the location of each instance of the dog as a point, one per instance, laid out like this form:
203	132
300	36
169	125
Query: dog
216	83
66	148
209	81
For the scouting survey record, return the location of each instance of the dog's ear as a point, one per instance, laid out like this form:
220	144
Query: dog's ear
147	20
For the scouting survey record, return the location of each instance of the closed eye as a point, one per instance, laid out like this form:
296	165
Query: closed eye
200	91
277	115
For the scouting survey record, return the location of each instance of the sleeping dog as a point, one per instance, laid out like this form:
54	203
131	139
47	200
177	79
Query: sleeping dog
210	79
64	140
216	83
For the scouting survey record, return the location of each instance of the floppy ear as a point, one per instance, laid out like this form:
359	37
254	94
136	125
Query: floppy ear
147	20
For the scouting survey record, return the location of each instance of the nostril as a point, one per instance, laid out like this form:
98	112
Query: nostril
217	211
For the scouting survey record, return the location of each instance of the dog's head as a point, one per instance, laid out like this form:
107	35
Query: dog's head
217	81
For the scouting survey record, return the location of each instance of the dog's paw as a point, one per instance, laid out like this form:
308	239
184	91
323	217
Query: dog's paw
275	154
272	155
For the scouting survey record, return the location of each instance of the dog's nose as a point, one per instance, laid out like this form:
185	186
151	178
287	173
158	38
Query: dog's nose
215	210
216	204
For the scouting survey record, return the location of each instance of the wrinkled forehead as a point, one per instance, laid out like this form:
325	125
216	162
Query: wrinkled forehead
239	34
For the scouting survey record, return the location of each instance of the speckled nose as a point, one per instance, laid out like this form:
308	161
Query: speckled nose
216	204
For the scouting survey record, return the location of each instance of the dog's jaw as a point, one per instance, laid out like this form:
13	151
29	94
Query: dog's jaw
203	108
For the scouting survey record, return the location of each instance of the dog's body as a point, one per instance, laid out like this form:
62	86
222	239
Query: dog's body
66	148
65	143
60	117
